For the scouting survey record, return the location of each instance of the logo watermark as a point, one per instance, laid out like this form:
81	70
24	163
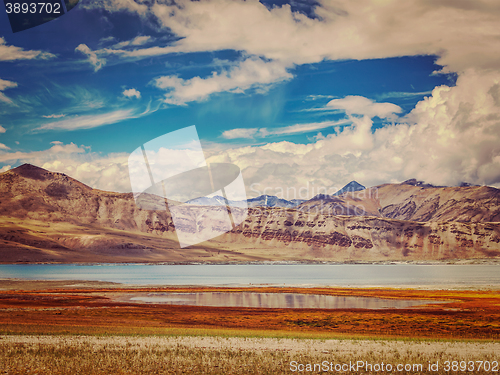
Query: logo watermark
171	171
314	200
25	14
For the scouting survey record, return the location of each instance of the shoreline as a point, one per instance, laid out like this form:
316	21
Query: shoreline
22	284
56	308
475	261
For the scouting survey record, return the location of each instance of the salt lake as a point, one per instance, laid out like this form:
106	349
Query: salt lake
344	275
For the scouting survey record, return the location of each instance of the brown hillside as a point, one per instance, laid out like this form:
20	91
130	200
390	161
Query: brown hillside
50	217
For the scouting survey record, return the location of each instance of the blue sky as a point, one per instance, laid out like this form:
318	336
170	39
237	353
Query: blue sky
295	94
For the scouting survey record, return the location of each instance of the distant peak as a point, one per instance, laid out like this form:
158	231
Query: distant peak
350	187
354	184
27	166
31	171
415	182
467	184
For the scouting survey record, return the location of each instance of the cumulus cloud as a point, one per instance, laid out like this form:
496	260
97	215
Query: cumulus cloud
462	35
2	129
250	73
109	172
450	137
96	62
5	168
57	149
4	147
454	135
360	105
13	53
132	93
54	116
4	84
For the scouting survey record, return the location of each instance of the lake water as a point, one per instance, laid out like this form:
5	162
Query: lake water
276	300
270	274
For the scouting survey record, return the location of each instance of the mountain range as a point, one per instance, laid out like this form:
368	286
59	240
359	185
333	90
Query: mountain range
260	201
270	200
50	217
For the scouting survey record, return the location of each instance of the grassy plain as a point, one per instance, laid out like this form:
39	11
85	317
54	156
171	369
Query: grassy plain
231	355
61	328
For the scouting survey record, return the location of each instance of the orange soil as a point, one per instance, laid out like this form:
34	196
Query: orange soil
469	315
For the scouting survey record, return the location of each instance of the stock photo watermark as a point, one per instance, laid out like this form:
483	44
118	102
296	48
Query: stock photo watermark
171	170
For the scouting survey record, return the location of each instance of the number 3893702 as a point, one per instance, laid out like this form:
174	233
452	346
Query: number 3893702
33	8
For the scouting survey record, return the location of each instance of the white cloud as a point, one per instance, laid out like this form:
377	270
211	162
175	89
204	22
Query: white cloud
462	35
454	135
108	172
5	168
251	133
117	5
97	120
13	53
4	147
53	152
450	137
401	94
240	133
6	85
88	121
303	128
360	105
131	93
54	116
97	62
2	129
250	73
137	41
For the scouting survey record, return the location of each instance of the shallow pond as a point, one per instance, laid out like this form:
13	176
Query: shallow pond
275	300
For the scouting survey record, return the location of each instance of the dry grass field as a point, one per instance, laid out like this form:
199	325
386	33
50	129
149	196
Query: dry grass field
230	355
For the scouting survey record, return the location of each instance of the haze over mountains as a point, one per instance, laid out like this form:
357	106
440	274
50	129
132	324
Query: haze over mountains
50	217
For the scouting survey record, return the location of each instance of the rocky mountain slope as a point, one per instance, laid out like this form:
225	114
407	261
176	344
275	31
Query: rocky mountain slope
368	238
50	217
414	201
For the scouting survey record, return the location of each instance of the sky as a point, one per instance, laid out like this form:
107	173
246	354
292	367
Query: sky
300	95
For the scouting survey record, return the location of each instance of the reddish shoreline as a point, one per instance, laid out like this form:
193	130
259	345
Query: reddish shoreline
97	309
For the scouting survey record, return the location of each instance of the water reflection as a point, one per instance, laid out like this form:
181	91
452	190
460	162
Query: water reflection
276	300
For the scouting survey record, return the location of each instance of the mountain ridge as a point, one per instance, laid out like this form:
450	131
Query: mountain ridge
50	217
